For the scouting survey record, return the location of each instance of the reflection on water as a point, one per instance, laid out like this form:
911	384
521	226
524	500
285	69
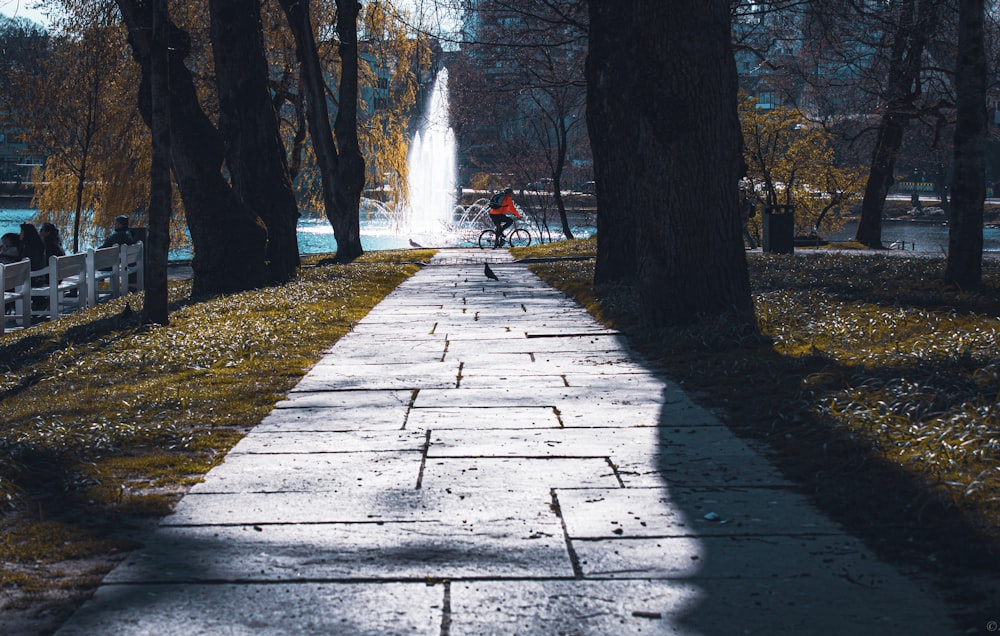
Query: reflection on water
924	237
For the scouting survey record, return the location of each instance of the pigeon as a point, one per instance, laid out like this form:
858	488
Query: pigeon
489	272
415	244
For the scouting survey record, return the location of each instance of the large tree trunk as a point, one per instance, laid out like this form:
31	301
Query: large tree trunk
968	190
336	197
254	153
691	257
917	22
612	75
229	239
157	246
681	148
350	181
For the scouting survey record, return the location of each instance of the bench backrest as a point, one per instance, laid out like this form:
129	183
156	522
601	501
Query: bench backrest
64	273
133	266
104	264
16	278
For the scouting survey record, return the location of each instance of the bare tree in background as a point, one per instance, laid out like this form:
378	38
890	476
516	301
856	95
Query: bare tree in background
863	68
965	231
520	92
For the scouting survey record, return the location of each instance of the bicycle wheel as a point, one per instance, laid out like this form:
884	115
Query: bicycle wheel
487	238
519	238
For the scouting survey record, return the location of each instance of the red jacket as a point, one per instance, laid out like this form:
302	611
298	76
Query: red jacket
507	207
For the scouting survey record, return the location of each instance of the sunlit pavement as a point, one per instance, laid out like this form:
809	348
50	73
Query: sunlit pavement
481	457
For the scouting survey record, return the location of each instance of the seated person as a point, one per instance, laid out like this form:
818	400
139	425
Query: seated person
10	248
121	234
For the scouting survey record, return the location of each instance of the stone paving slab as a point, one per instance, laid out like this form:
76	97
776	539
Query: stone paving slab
593	513
485	417
518	395
716	471
524	474
688	607
343	375
548	442
676	410
348	400
835	564
268	609
369	347
352	551
314	471
347	441
458	505
572	607
480	376
333	418
501	352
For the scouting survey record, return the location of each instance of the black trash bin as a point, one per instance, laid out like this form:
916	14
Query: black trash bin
779	229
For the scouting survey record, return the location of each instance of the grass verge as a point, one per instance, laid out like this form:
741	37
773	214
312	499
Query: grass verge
873	386
108	422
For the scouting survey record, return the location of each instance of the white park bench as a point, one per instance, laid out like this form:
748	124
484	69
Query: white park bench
16	279
104	271
65	286
134	267
71	282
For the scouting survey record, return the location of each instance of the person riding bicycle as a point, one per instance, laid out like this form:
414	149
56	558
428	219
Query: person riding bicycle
499	214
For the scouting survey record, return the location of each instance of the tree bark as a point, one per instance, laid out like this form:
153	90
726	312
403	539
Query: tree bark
336	196
968	190
612	76
350	180
918	20
228	237
254	152
668	149
157	245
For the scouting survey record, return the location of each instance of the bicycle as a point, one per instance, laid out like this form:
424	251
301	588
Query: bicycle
517	237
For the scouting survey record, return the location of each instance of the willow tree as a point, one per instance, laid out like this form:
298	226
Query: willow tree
80	112
677	133
395	59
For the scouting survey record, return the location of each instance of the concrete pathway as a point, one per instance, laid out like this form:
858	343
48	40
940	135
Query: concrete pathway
481	457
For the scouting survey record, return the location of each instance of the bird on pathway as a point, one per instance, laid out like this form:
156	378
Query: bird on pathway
415	244
489	272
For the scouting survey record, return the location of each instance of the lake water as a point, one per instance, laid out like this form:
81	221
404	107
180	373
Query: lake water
923	237
315	236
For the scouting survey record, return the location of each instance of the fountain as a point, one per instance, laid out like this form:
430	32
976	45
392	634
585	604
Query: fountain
431	167
432	216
